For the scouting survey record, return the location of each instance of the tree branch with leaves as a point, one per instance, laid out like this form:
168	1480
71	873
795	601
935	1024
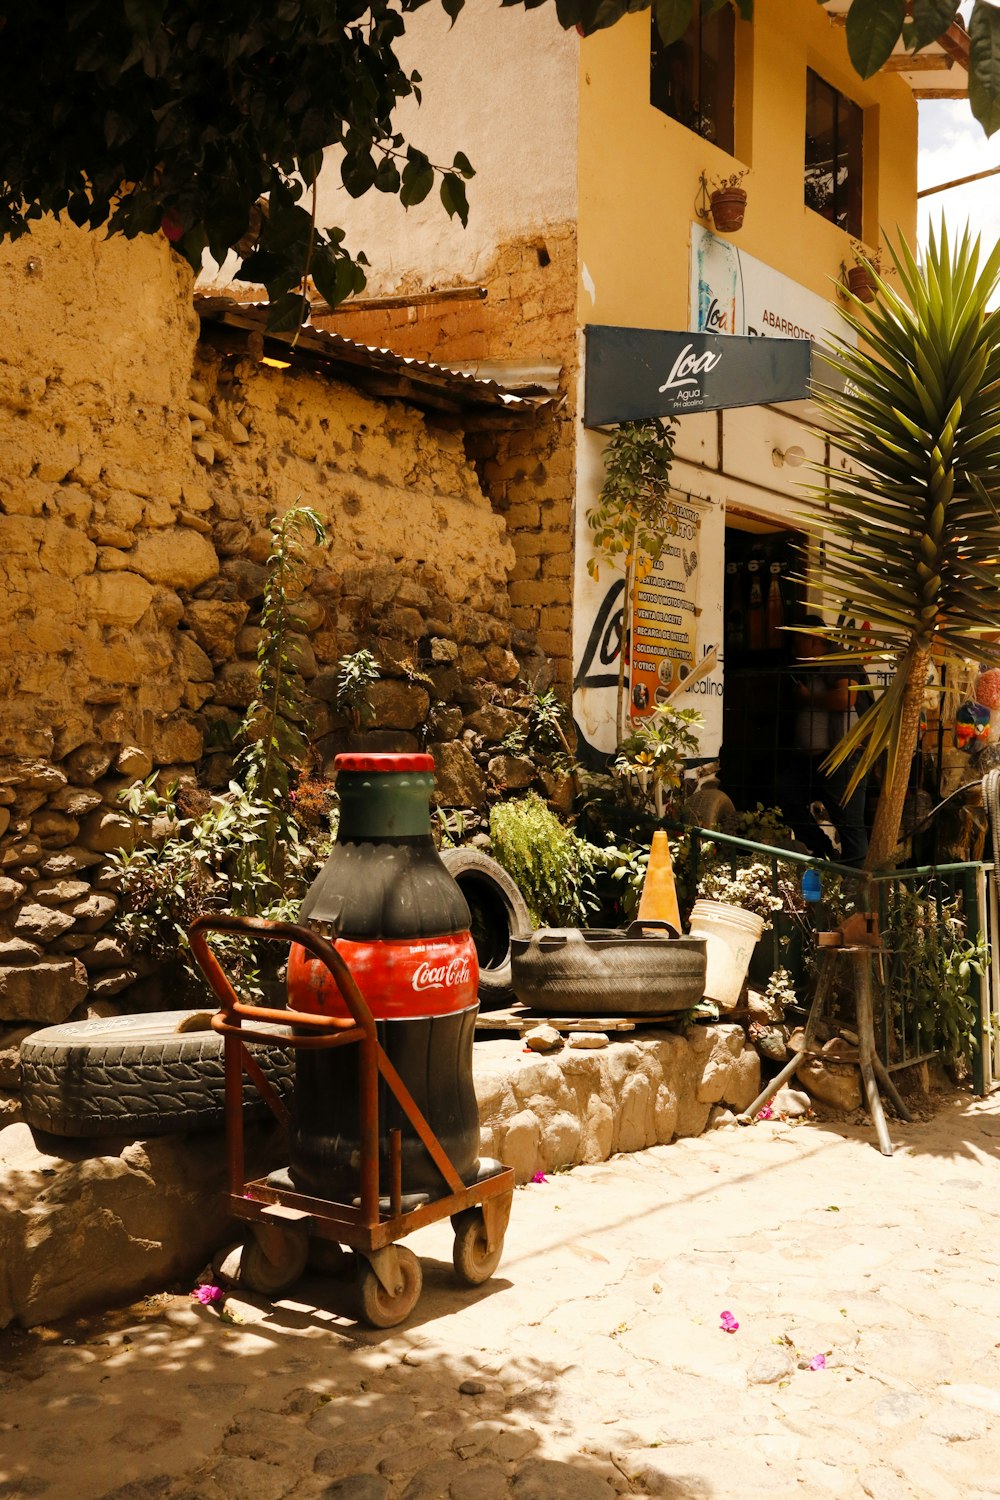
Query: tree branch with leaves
209	124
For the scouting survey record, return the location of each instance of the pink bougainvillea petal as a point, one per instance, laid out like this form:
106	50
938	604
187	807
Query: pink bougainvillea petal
818	1362
767	1113
727	1322
539	1177
206	1295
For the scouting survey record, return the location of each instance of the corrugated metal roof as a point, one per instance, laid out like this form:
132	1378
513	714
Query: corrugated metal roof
231	324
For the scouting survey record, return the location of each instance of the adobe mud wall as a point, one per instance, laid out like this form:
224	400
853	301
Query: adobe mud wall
139	474
528	316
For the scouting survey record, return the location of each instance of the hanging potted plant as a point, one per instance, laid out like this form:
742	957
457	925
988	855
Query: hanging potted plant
861	277
728	200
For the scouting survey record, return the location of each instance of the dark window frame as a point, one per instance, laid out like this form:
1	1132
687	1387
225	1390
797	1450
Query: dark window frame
836	193
700	64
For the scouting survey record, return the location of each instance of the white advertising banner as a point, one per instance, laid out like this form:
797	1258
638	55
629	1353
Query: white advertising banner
731	292
673	627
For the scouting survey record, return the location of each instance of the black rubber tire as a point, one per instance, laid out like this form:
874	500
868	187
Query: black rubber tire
709	807
562	971
135	1076
499	913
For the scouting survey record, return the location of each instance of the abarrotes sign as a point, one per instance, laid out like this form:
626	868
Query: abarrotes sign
633	373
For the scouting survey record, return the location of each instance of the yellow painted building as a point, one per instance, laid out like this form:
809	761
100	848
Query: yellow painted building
828	163
591	208
638	169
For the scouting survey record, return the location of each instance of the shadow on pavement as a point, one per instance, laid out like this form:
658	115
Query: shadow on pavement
168	1400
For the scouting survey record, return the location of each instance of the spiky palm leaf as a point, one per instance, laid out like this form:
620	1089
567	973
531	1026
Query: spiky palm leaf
912	535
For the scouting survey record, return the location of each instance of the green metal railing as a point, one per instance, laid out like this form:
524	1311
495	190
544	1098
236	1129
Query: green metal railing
963	890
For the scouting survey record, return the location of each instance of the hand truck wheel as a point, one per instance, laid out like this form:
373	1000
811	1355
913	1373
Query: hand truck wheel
328	1257
382	1308
272	1271
474	1262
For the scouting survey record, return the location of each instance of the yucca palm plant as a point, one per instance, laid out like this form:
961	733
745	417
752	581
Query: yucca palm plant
912	535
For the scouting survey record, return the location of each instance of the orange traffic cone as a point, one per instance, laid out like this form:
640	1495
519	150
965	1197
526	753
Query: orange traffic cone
658	902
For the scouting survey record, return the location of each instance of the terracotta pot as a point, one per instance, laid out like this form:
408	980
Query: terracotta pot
728	208
860	282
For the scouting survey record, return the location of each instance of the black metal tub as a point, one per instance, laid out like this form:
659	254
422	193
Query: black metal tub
644	970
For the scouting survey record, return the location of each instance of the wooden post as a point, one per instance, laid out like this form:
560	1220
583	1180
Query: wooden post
861	962
823	986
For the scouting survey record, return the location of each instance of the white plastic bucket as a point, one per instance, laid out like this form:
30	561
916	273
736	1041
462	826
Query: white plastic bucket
731	935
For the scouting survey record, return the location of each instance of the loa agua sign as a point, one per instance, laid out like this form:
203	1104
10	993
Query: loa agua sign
633	373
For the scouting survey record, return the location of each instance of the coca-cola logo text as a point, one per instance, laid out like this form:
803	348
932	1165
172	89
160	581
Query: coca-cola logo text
441	976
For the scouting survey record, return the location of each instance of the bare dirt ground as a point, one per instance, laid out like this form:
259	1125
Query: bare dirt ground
594	1363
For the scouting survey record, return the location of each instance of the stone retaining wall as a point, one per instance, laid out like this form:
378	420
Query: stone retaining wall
582	1104
97	1223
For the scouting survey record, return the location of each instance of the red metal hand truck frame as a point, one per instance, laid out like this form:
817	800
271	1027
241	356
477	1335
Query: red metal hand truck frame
479	1212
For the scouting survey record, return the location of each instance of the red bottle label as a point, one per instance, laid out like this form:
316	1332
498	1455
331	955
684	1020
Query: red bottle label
416	977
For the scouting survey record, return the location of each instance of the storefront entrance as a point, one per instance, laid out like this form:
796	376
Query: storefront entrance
764	758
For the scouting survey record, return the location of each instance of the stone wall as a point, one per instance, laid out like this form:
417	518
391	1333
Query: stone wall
528	317
140	470
585	1103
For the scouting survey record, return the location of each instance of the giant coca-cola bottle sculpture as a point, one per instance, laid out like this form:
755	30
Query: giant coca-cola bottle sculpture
402	924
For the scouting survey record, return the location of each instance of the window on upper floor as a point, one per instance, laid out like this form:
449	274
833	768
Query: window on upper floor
834	137
693	80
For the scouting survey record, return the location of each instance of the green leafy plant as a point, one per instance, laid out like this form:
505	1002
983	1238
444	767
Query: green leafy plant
747	886
553	867
765	825
245	850
628	864
653	754
515	742
634	513
355	675
546	740
448	827
211	862
547	719
273	731
933	960
779	994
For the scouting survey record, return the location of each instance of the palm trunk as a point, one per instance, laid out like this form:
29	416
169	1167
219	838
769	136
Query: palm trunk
889	812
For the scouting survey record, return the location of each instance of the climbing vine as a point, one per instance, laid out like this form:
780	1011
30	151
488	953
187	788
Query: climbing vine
633	516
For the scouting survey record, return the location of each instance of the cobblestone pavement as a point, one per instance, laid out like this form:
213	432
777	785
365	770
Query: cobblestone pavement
594	1364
